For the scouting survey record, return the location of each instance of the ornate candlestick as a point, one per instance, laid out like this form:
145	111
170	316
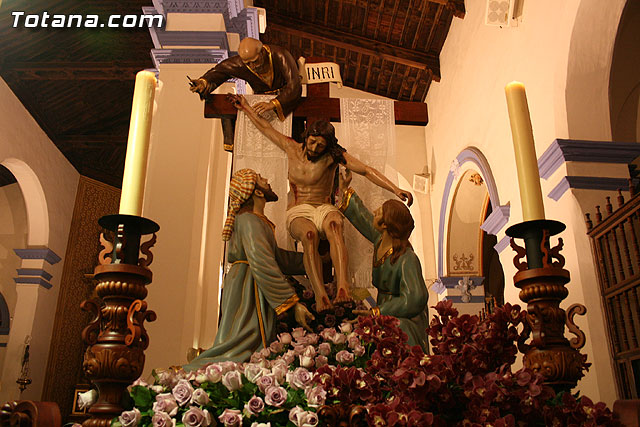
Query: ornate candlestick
542	282
116	336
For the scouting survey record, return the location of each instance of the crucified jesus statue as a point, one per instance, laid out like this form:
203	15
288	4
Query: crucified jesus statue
310	214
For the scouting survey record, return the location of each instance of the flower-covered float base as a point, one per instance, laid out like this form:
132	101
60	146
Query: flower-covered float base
365	374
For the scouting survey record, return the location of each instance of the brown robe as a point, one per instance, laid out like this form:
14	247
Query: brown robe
286	80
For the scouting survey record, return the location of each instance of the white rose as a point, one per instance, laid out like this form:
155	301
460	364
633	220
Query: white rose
86	399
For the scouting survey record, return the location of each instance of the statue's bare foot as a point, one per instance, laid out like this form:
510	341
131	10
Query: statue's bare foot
343	295
323	303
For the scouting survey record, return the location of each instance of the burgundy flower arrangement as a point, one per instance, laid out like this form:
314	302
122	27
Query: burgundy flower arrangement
467	381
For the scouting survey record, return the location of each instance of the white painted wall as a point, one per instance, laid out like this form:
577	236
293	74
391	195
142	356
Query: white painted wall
25	146
561	51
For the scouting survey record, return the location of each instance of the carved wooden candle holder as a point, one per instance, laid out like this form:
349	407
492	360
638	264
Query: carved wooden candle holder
542	281
116	336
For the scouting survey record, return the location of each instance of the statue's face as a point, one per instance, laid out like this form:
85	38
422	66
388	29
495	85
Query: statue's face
263	185
259	62
316	146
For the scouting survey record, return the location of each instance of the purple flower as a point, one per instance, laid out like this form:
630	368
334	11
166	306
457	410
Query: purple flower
165	402
299	378
130	418
232	380
231	418
162	419
254	406
315	396
214	373
196	417
275	396
182	392
200	397
265	381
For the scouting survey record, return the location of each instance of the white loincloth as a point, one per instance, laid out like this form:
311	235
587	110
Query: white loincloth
315	214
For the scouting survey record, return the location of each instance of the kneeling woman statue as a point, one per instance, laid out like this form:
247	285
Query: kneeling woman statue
396	268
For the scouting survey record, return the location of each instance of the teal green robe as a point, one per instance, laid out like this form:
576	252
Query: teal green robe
401	289
255	291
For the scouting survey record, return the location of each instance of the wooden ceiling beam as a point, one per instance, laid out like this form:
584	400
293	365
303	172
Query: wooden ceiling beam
356	43
457	6
73	70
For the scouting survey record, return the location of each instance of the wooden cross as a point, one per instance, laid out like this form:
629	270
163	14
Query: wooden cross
315	106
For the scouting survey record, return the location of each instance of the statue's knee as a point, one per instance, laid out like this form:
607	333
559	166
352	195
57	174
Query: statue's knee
335	227
309	237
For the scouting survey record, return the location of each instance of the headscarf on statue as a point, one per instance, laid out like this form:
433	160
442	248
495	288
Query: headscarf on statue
243	182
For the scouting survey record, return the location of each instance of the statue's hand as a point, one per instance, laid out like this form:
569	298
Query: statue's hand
303	316
405	196
238	101
264	107
198	86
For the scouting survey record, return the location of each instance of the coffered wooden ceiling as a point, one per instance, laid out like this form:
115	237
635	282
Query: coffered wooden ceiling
78	83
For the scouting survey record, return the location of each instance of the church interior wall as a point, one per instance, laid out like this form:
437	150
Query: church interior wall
554	53
23	143
13	234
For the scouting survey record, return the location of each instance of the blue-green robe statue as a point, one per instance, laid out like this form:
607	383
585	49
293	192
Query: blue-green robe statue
401	289
255	291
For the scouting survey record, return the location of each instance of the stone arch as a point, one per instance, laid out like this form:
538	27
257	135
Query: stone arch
34	199
589	68
474	156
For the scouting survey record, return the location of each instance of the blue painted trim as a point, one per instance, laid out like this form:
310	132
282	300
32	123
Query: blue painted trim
587	183
568	150
33	281
457	299
188	56
451	282
469	154
502	244
34	272
5	317
497	220
38	253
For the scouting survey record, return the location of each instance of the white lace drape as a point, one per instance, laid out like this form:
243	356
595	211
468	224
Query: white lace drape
254	150
368	133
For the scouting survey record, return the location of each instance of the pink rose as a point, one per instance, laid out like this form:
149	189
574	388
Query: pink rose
310	351
328	333
302	418
338	339
253	371
306	361
276	346
162	419
228	366
344	357
254	406
182	392
130	418
289	357
264	382
324	349
298	333
265	352
279	371
353	341
232	380
346	327
285	338
166	377
196	417
275	396
200	397
321	361
312	338
359	350
213	373
140	382
165	402
299	378
315	396
231	418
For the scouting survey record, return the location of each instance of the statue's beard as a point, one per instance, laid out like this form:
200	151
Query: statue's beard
314	157
269	194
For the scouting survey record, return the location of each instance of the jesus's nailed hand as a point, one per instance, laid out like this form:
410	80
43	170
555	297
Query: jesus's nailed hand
238	101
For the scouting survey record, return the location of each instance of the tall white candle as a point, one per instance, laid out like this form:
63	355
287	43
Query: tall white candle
135	165
525	151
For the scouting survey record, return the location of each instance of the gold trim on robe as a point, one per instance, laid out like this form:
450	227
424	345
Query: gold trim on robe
290	302
346	198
